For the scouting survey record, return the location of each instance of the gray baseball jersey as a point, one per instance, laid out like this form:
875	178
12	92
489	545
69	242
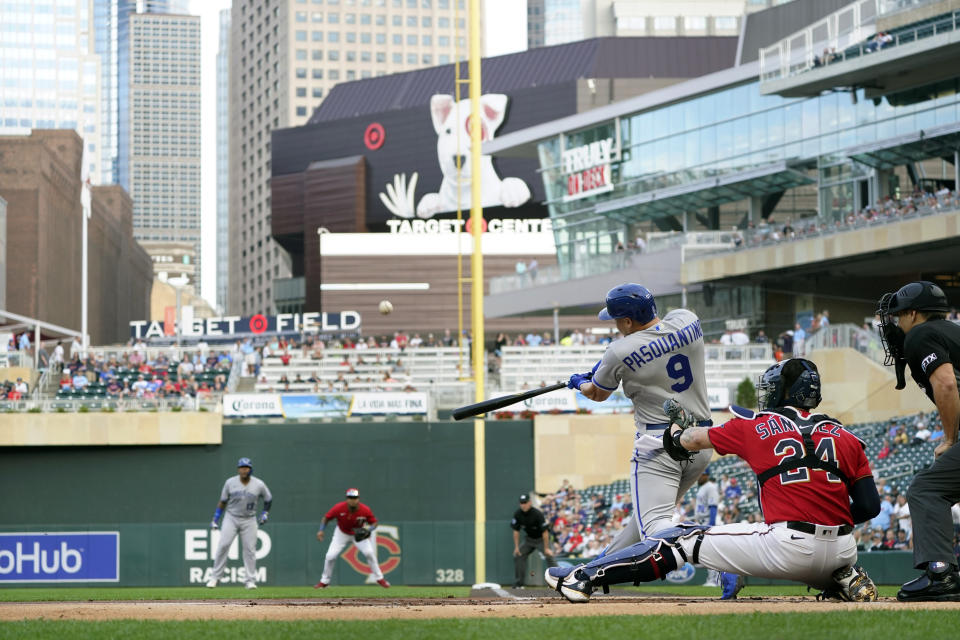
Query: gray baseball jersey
242	499
707	496
661	362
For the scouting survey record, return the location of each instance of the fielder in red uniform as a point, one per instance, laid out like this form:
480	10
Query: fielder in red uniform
815	484
355	523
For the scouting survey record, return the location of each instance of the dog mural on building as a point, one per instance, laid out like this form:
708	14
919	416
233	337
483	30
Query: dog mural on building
451	120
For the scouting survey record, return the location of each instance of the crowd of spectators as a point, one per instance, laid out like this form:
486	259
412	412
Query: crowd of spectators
14	389
141	373
583	525
888	209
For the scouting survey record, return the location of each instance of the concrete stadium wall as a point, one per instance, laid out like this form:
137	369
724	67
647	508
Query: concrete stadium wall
417	477
857	389
110	429
920	231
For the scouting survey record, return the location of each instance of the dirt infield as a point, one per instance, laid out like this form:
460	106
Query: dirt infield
379	609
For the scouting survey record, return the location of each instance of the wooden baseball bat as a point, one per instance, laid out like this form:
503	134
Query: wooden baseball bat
490	405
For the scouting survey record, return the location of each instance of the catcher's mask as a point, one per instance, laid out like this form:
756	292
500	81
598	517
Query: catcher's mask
793	382
917	296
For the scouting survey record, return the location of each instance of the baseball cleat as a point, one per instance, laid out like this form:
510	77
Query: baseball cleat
932	587
250	585
855	585
211	583
383	583
732	583
320	585
571	582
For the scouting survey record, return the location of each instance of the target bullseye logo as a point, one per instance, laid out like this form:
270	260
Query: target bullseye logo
483	225
374	135
258	323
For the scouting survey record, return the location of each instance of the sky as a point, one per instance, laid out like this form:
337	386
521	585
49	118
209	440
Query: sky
505	32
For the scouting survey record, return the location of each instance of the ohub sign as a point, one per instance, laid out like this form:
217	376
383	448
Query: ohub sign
587	169
60	557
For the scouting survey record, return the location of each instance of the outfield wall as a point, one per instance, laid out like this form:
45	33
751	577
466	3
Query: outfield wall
417	476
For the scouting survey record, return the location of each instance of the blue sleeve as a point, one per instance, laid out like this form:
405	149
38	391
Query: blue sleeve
713	515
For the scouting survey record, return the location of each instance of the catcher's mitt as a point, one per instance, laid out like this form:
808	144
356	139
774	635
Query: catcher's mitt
671	441
361	533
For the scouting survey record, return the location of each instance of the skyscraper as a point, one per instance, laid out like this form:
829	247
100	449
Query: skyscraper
49	75
111	26
223	160
285	56
163	148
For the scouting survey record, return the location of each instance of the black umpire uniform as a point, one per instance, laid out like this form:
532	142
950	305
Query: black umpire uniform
536	537
923	340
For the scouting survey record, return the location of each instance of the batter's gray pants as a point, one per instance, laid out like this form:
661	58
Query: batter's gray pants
931	494
657	481
247	529
528	546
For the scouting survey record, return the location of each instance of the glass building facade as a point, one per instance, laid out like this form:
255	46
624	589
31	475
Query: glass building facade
669	159
49	76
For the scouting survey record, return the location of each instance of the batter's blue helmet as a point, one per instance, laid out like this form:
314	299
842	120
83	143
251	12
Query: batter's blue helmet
629	301
245	462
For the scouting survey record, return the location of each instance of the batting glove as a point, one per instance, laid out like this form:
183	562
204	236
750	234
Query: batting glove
214	525
578	379
263	518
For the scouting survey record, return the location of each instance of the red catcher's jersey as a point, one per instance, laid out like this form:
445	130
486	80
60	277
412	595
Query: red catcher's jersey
809	495
347	520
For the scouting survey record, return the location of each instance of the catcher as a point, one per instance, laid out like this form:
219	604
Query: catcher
356	522
815	485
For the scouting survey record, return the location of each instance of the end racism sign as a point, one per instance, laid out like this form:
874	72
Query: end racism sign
256	324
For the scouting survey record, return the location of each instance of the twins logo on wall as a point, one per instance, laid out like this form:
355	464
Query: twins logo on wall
451	121
358	563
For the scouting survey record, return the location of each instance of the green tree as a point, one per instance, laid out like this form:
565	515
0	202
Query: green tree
747	394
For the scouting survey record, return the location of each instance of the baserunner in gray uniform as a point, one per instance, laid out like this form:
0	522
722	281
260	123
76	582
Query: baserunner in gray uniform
656	359
239	497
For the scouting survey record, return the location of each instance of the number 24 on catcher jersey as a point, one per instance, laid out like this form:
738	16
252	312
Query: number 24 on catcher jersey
808	495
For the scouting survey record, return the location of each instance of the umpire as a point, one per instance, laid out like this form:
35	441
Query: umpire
536	537
917	334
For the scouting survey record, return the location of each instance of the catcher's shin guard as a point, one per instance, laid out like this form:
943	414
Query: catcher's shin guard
646	561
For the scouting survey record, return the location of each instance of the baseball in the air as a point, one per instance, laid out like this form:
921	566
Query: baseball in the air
385	307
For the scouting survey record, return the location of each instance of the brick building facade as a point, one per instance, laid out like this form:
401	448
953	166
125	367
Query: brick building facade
40	180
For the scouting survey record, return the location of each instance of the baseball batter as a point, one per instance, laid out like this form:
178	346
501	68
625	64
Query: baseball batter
656	359
239	497
355	523
815	484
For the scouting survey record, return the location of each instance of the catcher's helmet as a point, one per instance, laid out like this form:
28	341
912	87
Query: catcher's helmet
916	296
629	301
245	462
793	382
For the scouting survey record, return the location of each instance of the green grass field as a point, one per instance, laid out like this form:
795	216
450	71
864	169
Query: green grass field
865	624
859	625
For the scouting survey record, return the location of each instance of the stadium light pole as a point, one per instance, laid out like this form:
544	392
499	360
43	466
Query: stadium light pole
85	212
476	295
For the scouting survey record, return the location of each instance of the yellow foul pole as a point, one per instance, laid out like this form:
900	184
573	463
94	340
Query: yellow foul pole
476	295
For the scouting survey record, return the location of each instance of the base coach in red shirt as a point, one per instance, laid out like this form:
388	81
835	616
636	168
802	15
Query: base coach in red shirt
355	523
